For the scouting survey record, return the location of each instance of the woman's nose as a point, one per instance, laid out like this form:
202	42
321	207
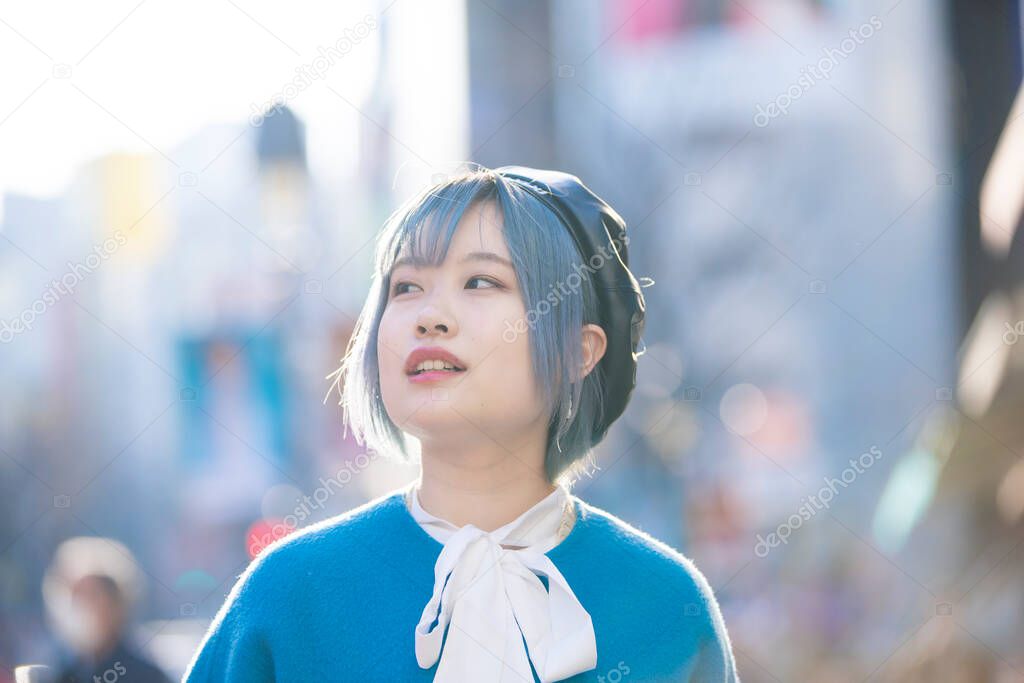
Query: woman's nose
433	322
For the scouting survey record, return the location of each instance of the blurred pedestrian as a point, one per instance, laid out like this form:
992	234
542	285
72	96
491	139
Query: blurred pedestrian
89	591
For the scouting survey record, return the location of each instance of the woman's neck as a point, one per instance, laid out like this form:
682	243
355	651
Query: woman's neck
484	486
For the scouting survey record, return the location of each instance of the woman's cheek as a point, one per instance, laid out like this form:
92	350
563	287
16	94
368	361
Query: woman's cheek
388	355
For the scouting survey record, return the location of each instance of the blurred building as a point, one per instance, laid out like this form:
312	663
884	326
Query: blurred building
824	192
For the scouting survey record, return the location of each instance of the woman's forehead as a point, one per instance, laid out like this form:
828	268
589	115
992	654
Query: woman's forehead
480	229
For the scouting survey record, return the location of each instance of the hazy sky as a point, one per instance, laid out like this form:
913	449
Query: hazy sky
82	79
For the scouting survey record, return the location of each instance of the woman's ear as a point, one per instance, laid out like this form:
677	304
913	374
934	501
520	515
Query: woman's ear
594	345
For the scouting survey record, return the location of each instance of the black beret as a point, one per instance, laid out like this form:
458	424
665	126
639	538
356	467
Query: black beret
600	236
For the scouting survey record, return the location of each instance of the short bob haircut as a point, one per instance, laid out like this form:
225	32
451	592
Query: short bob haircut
543	255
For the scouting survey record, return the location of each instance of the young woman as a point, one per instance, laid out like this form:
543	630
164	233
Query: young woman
501	334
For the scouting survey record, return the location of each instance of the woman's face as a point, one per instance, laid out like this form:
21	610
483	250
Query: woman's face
461	307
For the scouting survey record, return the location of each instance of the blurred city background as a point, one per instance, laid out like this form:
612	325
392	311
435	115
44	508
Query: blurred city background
827	194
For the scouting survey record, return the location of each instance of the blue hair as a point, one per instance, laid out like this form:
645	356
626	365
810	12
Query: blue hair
544	256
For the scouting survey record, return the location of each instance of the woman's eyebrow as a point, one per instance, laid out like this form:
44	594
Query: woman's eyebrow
471	256
486	256
410	261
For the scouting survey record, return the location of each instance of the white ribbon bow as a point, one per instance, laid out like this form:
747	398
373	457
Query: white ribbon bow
493	600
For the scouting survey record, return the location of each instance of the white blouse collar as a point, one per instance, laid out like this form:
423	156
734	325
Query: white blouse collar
543	526
491	612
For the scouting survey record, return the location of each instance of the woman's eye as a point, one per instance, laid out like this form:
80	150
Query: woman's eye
399	288
402	287
488	282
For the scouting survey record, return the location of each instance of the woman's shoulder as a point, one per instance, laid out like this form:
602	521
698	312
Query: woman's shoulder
633	546
664	585
357	530
341	544
654	571
301	581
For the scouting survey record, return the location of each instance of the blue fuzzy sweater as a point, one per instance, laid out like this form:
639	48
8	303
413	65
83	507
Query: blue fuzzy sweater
339	601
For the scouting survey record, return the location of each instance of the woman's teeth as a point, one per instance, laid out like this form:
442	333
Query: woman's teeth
435	365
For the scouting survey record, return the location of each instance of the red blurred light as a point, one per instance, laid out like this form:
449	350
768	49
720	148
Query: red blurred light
263	532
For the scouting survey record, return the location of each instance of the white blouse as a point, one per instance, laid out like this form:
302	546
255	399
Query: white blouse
491	612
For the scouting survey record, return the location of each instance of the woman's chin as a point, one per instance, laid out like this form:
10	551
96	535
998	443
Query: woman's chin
431	419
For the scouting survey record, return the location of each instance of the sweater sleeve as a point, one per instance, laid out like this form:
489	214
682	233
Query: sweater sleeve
715	660
235	647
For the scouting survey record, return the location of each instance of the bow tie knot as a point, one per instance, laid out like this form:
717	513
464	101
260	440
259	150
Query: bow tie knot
490	599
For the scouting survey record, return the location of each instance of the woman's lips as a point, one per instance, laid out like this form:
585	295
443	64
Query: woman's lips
431	353
434	375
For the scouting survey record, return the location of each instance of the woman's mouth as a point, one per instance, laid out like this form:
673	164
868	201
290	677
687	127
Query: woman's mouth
432	363
432	375
432	371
